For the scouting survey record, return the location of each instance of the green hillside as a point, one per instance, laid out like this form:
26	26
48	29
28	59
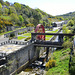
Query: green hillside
68	15
17	14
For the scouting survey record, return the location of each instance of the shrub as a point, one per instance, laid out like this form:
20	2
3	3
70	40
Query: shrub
67	44
73	29
10	38
47	65
18	33
21	32
25	31
50	64
12	35
1	31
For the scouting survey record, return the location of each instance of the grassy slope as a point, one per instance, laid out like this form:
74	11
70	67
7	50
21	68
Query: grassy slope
49	36
24	36
21	37
62	63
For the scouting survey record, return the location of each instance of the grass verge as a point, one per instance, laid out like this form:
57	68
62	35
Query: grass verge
62	63
24	36
21	37
49	36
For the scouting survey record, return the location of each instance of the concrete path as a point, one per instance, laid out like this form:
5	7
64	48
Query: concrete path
26	73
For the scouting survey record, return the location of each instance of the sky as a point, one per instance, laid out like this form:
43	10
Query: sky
52	7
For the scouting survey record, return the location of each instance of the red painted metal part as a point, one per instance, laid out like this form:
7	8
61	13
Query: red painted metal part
40	29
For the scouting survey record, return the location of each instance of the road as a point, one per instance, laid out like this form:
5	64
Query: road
2	39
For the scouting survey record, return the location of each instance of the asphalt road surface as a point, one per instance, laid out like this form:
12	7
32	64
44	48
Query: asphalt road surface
2	39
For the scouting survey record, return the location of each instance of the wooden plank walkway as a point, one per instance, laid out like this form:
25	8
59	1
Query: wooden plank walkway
48	44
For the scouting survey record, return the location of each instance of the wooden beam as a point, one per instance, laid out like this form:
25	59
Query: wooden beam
40	45
62	34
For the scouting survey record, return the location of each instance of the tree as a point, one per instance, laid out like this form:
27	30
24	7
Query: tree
17	6
37	18
14	18
6	10
35	22
66	19
1	1
21	19
31	20
1	11
66	30
44	23
7	3
41	21
49	23
70	23
73	29
12	10
25	11
0	5
60	18
30	25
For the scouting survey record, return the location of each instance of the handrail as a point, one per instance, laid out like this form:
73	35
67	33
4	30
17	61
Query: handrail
63	34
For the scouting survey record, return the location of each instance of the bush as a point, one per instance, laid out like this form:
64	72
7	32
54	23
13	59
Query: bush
1	31
25	31
18	33
21	32
73	29
50	64
12	35
67	44
10	38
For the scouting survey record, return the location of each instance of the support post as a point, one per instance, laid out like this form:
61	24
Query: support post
60	38
33	38
47	51
29	55
34	50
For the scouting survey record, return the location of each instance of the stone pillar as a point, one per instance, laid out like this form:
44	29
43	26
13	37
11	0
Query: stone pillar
60	38
33	38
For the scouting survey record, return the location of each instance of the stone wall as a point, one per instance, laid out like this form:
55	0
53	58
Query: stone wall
19	31
4	70
10	28
18	58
